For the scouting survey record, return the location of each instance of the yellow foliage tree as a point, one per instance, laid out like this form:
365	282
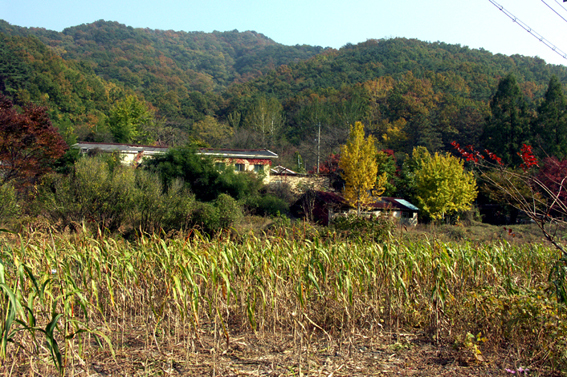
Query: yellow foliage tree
442	184
359	168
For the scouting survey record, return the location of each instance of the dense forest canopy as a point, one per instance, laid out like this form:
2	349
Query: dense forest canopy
242	89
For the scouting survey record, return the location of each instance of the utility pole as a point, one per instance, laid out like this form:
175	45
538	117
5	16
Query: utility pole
318	147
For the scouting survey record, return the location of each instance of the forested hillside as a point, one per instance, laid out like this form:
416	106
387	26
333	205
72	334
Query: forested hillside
242	89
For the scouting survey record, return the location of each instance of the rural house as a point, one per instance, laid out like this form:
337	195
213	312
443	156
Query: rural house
257	160
322	207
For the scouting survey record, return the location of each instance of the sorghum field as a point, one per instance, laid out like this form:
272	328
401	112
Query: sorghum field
288	303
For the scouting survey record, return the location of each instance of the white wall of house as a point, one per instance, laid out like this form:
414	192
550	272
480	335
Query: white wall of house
260	167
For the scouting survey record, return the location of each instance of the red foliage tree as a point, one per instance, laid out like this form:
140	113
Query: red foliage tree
553	175
28	143
540	196
331	165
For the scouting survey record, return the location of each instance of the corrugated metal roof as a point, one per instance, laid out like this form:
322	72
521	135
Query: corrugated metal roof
407	204
282	170
389	203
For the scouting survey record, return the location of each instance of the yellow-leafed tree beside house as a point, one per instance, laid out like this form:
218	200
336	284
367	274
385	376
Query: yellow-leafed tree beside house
359	168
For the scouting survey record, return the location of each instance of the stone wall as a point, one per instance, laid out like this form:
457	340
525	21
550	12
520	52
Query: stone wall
302	182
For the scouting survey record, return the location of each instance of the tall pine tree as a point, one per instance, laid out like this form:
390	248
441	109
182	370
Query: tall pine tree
551	125
508	126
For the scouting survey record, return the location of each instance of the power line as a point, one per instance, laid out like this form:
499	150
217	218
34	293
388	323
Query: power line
554	11
561	5
530	30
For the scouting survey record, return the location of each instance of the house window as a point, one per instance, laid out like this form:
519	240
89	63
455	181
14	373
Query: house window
220	166
258	168
239	167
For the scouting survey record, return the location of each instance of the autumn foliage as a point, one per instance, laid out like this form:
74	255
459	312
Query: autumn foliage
28	143
538	195
331	165
359	168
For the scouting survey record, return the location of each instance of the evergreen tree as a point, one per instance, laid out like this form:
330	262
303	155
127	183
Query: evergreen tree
386	164
551	125
508	126
266	117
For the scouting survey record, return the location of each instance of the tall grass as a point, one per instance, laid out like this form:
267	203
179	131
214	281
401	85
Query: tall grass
65	297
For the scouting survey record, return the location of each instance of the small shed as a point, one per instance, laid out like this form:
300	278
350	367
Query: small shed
319	206
322	207
395	207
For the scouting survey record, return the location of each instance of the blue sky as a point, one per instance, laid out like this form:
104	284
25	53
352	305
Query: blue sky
330	23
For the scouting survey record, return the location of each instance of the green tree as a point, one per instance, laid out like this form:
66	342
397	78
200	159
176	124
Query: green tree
358	163
14	73
442	185
201	176
210	131
551	125
508	126
127	117
266	117
387	165
411	107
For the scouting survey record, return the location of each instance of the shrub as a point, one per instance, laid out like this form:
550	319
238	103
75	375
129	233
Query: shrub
201	176
91	194
122	198
104	197
366	228
206	217
282	191
157	208
10	207
180	203
267	205
229	211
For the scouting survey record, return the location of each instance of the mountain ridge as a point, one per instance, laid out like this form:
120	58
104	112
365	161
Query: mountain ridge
196	81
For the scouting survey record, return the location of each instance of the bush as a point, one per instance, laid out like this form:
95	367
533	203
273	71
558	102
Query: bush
206	217
121	198
159	209
91	194
366	228
201	176
283	191
228	210
238	185
9	207
267	205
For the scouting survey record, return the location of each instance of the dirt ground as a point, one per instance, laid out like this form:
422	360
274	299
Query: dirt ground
254	354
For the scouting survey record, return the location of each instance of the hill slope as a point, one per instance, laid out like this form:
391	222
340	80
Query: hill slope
211	85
